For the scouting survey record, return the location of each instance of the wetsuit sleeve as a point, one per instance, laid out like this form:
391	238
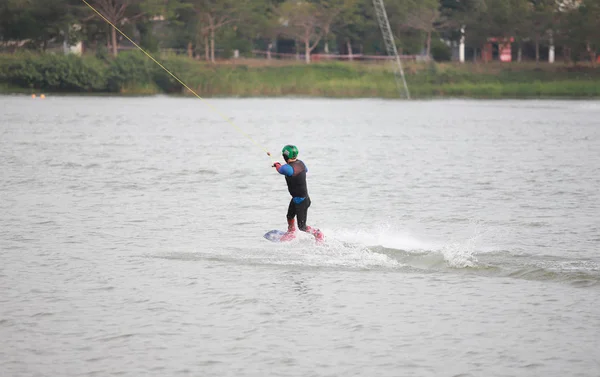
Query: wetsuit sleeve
286	170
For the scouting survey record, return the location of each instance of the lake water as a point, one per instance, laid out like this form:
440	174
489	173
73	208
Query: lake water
462	238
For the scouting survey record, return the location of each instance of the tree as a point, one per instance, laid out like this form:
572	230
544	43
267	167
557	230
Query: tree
587	32
36	21
509	19
472	16
540	19
214	15
114	11
424	16
331	9
491	18
183	29
413	21
120	12
159	17
575	27
304	22
256	28
353	24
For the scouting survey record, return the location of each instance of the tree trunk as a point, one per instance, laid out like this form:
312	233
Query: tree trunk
349	46
269	51
190	51
520	53
307	51
566	54
206	48
326	48
297	49
114	41
429	45
537	49
592	53
212	45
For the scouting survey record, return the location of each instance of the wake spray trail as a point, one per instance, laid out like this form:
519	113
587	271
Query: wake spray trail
414	251
178	80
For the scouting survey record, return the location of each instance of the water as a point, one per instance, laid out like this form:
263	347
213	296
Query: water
462	238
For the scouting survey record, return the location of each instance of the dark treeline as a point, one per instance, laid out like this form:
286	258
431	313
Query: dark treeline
211	29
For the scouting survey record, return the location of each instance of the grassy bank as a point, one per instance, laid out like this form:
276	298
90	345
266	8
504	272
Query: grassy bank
135	74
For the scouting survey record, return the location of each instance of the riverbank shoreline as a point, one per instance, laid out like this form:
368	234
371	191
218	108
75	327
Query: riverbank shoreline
132	74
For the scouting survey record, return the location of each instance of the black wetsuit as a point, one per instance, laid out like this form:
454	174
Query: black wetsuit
295	176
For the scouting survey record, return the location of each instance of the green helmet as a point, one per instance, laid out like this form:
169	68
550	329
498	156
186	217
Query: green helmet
289	152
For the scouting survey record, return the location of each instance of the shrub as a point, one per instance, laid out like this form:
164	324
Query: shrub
130	69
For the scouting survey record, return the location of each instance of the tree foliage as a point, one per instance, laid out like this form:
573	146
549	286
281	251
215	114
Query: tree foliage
210	28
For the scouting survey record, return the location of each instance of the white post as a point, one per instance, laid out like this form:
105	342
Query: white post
77	49
461	48
551	51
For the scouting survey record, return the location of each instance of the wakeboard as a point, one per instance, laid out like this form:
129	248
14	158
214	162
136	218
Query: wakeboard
274	235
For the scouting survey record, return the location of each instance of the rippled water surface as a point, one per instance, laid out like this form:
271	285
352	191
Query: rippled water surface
462	238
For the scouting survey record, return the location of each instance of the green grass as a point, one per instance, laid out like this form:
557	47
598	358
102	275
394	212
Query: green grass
10	89
134	74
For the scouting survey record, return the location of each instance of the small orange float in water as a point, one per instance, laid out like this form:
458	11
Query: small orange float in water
33	96
43	96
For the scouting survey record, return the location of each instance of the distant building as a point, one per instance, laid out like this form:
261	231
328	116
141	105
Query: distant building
497	49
